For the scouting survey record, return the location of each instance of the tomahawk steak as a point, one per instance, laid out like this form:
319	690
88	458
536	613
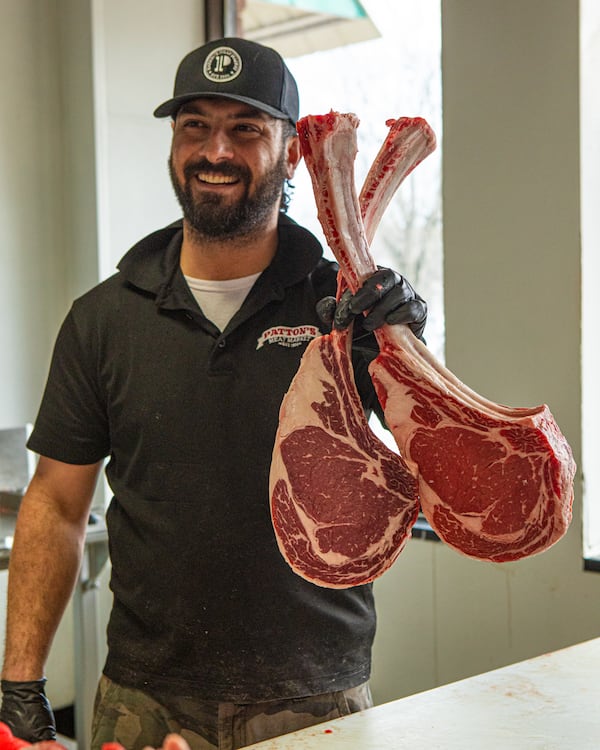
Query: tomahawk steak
342	503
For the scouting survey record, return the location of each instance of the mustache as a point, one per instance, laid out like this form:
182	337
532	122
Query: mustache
222	170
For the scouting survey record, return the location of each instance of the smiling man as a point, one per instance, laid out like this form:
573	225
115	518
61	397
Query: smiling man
175	368
228	164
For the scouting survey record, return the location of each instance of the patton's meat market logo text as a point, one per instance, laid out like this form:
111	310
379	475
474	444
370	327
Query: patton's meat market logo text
287	336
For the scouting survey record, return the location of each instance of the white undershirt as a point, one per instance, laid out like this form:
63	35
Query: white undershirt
220	300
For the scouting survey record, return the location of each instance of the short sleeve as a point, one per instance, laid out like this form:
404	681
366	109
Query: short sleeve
72	422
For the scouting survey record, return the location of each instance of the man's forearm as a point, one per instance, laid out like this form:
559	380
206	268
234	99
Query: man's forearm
43	569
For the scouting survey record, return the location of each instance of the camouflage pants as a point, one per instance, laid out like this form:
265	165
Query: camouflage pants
136	720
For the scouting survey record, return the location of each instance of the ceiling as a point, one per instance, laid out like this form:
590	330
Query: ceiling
299	27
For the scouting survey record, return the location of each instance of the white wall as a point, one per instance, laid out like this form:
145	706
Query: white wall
137	47
31	249
77	141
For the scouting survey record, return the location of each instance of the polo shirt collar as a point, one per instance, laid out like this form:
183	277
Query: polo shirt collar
152	264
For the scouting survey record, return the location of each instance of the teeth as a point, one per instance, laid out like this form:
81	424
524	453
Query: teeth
215	179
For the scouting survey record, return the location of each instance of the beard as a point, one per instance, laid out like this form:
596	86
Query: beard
210	216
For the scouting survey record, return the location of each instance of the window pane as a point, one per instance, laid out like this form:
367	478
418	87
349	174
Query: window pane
397	73
590	239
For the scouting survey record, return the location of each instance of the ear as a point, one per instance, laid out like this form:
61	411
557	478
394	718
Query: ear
294	154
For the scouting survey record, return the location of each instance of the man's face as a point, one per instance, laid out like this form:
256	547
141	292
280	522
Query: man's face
228	163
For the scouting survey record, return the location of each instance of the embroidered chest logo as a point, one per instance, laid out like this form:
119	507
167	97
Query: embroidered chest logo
287	336
222	65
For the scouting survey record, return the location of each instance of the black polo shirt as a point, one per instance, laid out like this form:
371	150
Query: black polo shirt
204	603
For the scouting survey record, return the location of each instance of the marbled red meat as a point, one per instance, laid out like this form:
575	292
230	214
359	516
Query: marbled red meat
495	483
342	503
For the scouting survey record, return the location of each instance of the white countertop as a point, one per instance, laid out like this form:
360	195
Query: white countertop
551	702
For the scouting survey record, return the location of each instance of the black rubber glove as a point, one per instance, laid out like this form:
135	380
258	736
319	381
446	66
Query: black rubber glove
26	710
388	297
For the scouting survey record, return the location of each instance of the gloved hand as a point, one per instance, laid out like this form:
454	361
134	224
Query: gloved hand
388	297
26	710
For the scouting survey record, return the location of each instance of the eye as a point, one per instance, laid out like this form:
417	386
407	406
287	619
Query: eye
248	129
192	123
189	121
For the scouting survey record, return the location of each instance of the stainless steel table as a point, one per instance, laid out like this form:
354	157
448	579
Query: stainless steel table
551	702
87	639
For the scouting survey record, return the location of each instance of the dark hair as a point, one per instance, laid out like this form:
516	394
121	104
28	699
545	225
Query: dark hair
288	130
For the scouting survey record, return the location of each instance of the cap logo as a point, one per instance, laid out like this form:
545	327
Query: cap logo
222	65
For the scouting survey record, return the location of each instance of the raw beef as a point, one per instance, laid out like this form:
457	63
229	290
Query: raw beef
342	503
495	483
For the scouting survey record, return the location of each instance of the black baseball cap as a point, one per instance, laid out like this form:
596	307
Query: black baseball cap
237	69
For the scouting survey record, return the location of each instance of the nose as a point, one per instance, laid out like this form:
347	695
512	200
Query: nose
218	146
